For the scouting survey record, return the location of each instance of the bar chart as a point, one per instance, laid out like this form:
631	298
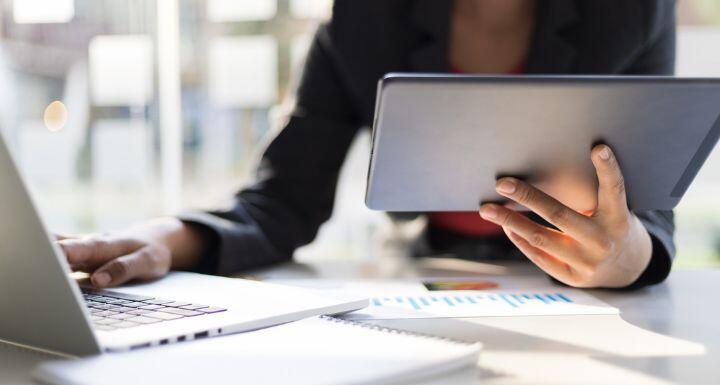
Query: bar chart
458	304
512	299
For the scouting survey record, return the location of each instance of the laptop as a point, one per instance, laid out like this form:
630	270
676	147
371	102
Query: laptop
44	308
441	141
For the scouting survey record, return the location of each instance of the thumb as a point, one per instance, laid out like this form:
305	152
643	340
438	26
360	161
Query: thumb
612	200
95	251
139	264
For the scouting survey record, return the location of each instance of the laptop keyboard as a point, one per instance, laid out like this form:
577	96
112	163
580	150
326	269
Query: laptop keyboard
112	311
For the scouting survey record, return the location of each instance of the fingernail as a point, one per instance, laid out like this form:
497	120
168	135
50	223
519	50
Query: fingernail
101	279
506	186
605	153
488	212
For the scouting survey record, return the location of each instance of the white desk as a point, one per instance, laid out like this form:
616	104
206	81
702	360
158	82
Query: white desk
672	333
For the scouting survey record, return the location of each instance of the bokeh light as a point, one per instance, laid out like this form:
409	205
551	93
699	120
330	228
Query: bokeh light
55	116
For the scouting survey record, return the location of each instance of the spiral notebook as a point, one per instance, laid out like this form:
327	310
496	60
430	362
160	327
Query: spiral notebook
314	351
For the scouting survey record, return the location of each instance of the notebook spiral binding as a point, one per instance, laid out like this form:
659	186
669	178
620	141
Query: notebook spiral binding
386	329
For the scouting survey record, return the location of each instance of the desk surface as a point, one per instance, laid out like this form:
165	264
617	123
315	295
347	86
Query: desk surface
667	334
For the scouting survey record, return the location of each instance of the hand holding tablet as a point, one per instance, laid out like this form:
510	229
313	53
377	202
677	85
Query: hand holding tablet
452	142
608	248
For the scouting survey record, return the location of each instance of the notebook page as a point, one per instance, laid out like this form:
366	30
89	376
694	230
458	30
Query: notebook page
315	351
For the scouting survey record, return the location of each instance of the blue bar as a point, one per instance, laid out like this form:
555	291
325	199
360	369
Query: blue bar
399	299
551	297
471	299
564	298
458	299
538	296
526	296
492	297
376	302
449	302
517	298
424	301
413	303
508	300
434	299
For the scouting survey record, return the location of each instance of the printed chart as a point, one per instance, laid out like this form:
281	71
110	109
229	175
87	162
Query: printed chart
412	299
478	304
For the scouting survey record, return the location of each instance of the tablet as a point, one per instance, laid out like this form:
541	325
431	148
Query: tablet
441	141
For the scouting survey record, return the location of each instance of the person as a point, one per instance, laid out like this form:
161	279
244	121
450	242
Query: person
364	39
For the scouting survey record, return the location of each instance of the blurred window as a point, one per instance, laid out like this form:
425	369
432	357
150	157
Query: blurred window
88	135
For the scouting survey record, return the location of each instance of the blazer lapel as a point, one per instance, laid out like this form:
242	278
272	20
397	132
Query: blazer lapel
551	50
432	19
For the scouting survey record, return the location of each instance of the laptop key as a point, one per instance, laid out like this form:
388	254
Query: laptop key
135	305
106	313
112	301
209	310
152	307
177	304
158	301
103	300
107	321
144	320
125	324
193	307
162	316
129	297
139	312
182	312
105	328
121	316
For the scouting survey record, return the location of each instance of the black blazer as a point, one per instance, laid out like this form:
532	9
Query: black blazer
295	186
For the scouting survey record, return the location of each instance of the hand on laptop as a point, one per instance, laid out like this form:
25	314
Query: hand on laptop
609	248
142	252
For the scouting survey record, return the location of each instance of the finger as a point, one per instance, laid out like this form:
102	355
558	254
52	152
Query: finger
540	237
138	265
553	242
559	270
565	218
94	251
60	237
611	191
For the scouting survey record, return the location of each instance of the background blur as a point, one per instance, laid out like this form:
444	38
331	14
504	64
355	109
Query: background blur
119	110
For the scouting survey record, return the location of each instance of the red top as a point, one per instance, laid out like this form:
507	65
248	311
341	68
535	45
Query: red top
469	223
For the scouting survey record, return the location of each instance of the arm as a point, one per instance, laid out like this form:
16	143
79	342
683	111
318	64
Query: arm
295	184
658	58
292	196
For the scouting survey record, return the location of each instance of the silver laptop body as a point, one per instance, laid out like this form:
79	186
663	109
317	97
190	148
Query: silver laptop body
43	308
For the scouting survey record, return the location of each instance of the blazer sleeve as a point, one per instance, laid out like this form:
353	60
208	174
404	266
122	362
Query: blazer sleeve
658	58
294	188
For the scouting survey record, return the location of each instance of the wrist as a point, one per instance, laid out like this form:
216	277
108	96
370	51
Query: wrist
631	263
183	242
